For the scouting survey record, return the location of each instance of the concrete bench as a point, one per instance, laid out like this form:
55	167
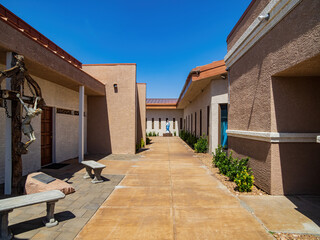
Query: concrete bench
97	169
7	205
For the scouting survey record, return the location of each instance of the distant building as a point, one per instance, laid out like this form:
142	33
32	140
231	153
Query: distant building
201	108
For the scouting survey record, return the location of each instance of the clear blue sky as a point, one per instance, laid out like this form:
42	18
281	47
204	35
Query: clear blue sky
165	38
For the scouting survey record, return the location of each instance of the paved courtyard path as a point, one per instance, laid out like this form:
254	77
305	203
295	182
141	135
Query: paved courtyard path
167	193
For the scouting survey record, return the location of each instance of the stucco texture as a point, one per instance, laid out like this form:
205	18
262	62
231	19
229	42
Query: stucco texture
260	101
141	112
120	104
214	94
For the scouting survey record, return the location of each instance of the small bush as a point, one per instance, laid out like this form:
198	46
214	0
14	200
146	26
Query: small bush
150	134
236	170
174	134
244	180
189	138
157	134
142	144
201	146
148	140
154	134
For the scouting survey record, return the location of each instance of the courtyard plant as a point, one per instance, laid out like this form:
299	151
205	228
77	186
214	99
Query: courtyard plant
189	138
201	146
235	169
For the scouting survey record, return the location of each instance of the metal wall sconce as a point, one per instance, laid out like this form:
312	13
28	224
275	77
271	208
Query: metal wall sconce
115	87
264	17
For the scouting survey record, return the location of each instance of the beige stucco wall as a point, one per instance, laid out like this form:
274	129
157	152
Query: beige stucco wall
120	109
141	111
261	102
213	95
163	114
66	135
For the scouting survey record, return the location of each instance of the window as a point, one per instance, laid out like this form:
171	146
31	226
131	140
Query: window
200	122
159	123
195	123
174	123
208	119
180	123
191	123
152	123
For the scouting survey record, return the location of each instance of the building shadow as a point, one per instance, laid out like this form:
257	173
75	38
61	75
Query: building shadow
36	223
307	205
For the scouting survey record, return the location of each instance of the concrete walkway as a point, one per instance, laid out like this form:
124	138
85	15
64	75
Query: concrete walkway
169	194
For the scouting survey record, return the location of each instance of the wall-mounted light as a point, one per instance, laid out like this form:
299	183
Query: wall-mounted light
263	17
223	76
115	87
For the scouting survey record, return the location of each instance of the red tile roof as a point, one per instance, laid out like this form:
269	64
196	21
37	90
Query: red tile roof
203	72
20	25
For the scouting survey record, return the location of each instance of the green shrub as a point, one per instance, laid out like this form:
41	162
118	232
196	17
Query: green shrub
142	144
148	140
201	146
236	170
236	167
244	180
189	138
174	133
157	134
154	134
137	147
150	134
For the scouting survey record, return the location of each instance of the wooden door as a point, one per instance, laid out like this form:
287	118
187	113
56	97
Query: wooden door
46	136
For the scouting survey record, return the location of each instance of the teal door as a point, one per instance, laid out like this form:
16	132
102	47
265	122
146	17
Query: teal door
224	125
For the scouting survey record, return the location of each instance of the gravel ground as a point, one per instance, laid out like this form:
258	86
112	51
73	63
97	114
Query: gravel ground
290	236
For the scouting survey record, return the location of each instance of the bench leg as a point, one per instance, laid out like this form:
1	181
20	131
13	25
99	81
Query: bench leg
49	219
4	222
88	173
97	176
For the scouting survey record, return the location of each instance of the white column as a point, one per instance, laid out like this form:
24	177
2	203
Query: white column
81	123
8	137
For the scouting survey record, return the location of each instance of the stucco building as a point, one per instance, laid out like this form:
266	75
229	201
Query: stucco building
201	108
274	69
89	108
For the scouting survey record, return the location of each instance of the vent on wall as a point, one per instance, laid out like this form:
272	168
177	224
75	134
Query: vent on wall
68	112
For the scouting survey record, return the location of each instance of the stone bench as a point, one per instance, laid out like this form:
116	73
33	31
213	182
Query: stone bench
7	205
97	169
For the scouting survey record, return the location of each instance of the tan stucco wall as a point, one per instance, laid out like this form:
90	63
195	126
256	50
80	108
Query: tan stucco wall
213	95
296	99
260	158
295	168
121	107
163	114
260	102
141	111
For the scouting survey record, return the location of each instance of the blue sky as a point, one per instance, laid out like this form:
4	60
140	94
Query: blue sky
165	38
